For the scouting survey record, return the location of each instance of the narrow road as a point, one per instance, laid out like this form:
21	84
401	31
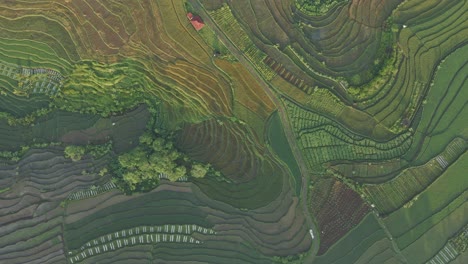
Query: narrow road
284	119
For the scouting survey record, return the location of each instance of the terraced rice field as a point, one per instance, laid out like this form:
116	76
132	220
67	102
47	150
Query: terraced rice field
333	135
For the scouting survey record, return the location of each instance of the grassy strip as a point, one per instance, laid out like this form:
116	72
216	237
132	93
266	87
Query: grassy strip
316	132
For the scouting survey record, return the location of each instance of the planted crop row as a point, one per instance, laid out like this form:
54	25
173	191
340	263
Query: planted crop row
316	132
35	39
250	93
324	101
288	76
151	239
28	68
306	122
92	191
137	236
447	254
32	80
391	108
226	20
393	194
153	209
134	254
263	232
369	172
302	60
254	194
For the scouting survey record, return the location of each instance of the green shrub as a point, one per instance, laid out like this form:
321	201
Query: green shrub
74	153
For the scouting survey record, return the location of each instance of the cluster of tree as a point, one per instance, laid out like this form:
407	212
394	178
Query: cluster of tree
103	89
292	259
76	153
316	7
25	120
17	155
139	169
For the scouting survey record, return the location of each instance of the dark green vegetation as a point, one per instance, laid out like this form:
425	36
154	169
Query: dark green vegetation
278	141
141	168
317	7
295	131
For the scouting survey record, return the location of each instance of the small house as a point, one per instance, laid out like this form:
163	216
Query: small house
196	21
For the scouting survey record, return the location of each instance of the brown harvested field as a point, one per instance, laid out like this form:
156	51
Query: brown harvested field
337	209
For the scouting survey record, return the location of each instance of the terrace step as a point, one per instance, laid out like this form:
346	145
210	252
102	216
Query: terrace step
140	235
91	192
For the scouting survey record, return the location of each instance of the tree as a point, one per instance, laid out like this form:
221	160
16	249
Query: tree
138	170
177	173
199	170
146	139
132	178
74	153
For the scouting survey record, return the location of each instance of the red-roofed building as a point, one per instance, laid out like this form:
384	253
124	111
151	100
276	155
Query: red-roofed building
196	21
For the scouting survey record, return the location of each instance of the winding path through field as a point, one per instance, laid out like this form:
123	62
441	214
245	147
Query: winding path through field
284	120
